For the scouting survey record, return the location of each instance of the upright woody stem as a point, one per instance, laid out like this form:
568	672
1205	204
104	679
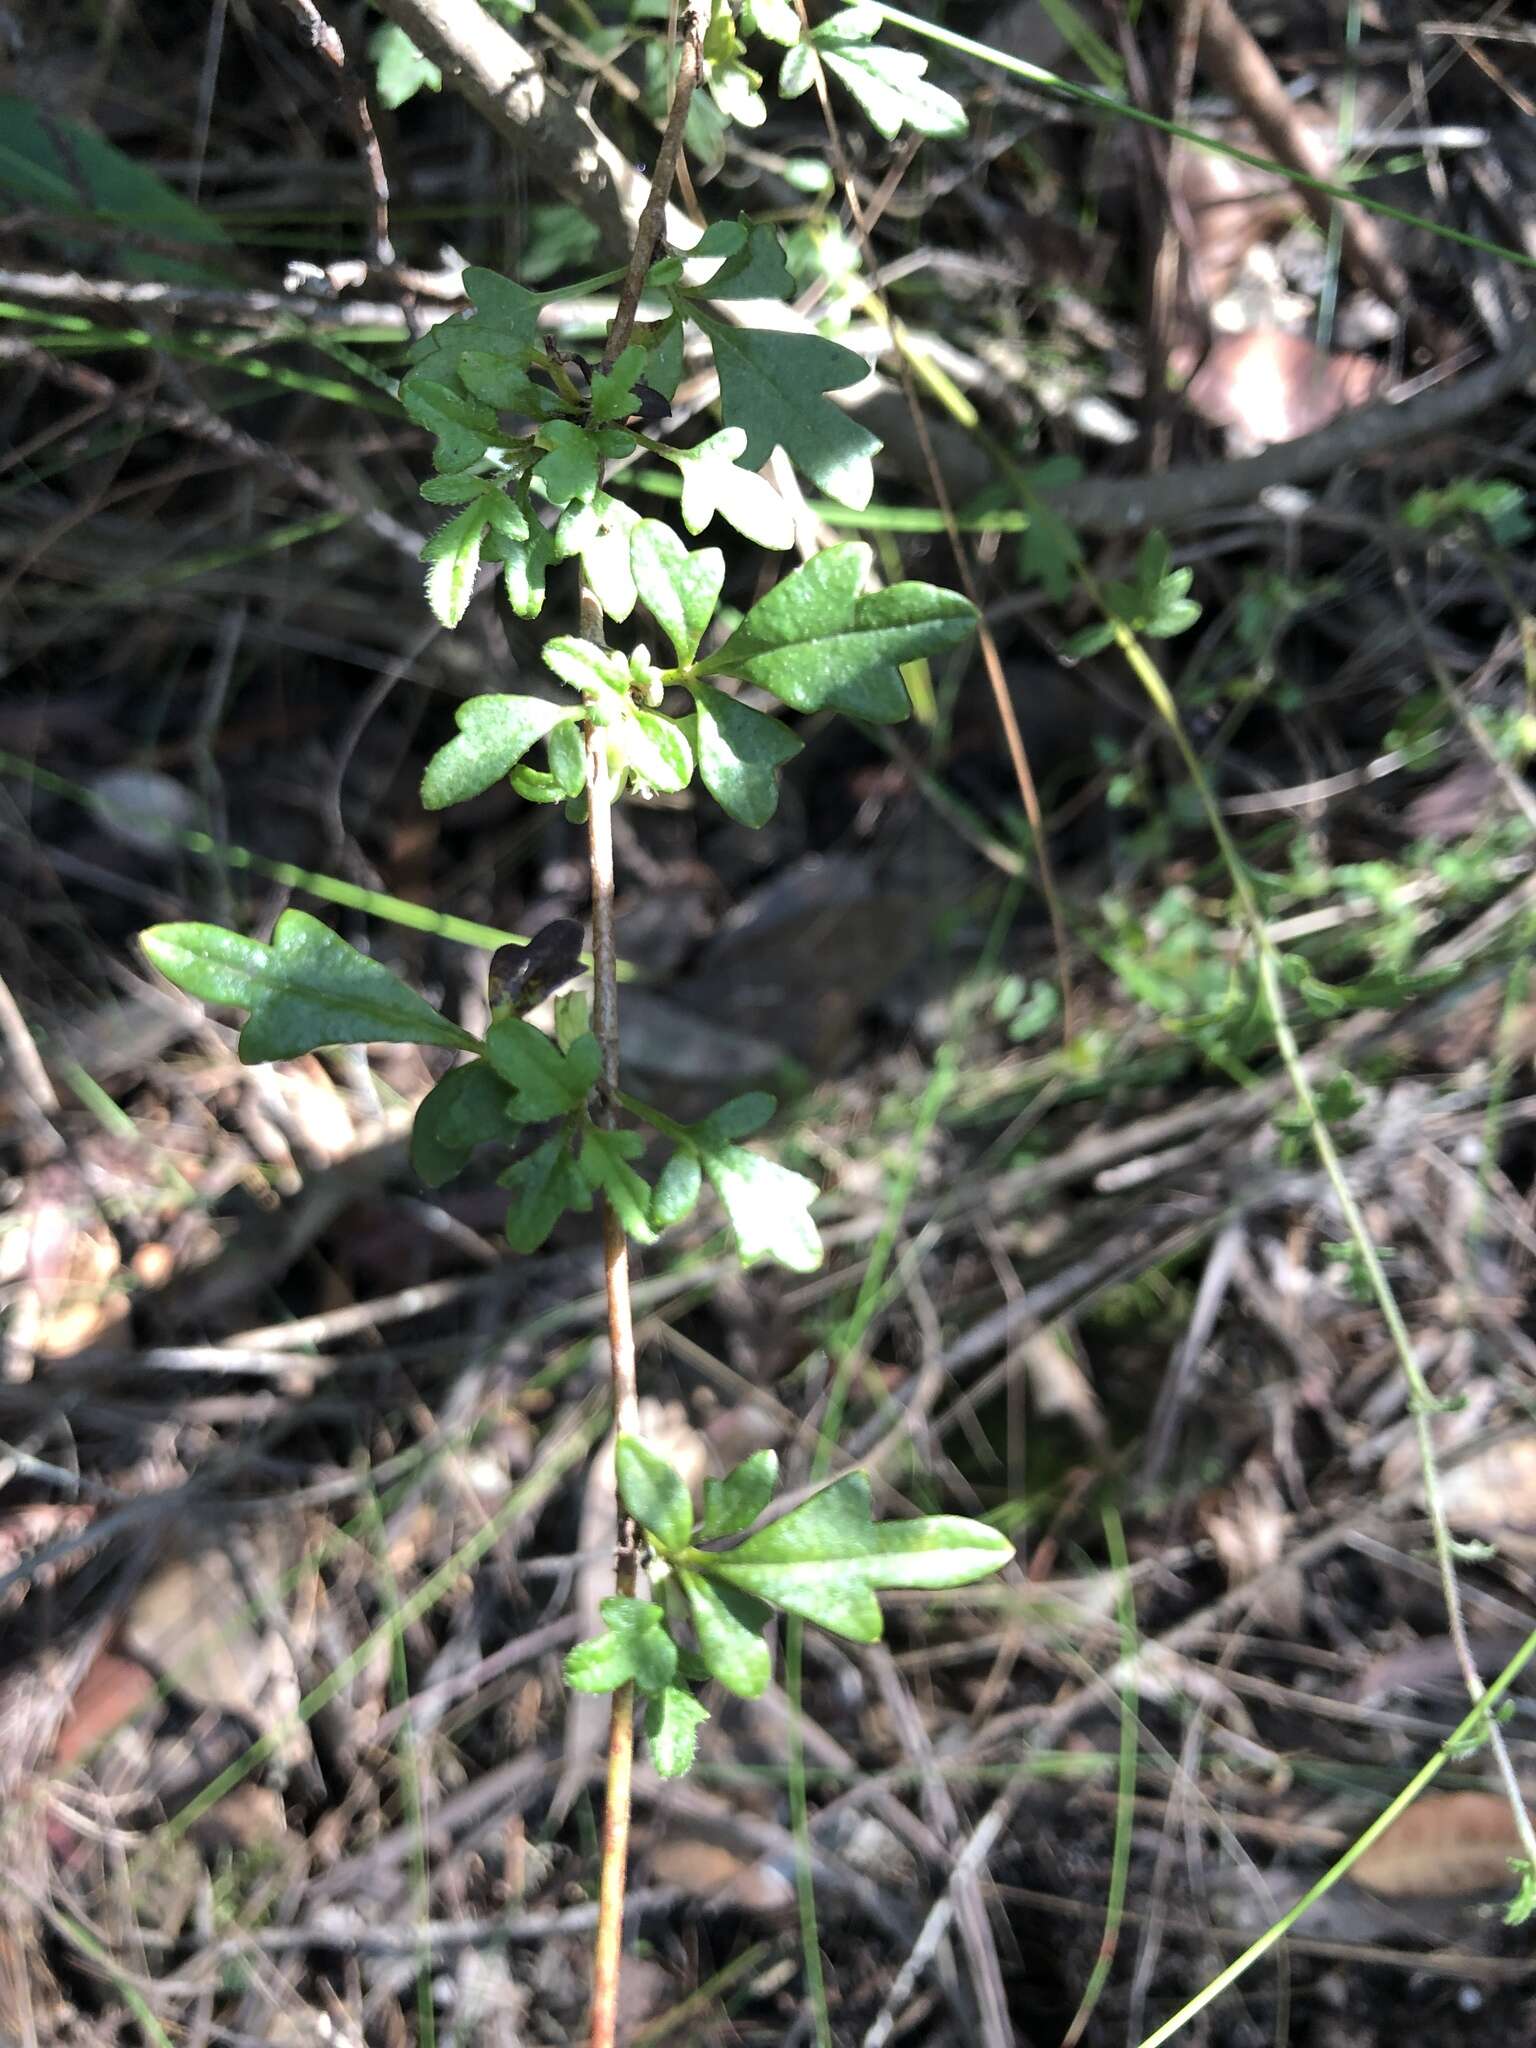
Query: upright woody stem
609	1943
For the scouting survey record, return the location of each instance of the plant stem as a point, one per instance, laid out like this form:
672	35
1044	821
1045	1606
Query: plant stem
654	213
609	1943
626	1414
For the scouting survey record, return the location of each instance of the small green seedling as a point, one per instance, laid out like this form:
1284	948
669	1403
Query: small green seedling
824	1561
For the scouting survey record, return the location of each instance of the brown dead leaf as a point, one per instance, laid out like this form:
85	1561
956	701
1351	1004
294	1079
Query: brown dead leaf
192	1621
113	1690
59	1264
1446	1845
1267	386
1493	1495
707	1870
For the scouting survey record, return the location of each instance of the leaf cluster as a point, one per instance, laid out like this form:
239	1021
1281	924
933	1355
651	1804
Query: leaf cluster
824	1561
817	641
309	989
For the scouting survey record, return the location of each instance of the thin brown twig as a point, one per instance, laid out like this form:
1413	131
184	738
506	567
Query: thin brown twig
324	39
653	214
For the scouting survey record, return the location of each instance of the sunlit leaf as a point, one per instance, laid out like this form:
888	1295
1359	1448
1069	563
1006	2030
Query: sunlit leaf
826	1558
729	1635
307	989
653	1493
735	1502
672	1720
494	735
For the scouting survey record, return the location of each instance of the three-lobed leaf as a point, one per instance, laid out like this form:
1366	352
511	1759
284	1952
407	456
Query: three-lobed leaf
772	386
815	640
544	1186
714	480
768	1207
547	1082
307	989
825	1559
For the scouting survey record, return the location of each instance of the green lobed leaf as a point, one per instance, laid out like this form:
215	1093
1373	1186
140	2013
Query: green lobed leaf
504	382
605	1167
738	1118
547	1081
400	70
813	635
467	1106
768	1207
891	86
729	1637
714	481
543	1186
680	590
572	465
494	735
771	386
826	1559
755	269
307	989
601	1664
677	1189
527	563
672	1719
739	750
453	558
653	1493
600	532
612	392
735	1502
504	323
621	1611
464	428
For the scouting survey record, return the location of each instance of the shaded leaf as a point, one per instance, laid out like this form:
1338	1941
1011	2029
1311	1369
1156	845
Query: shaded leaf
739	749
307	989
771	386
605	1167
467	1106
572	464
543	1187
